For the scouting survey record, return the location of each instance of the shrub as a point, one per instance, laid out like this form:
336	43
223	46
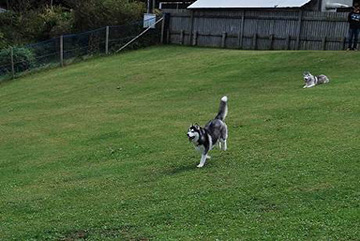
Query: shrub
93	14
9	28
57	21
3	42
34	25
23	59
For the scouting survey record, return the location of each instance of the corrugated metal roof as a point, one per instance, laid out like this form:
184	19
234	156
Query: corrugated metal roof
248	4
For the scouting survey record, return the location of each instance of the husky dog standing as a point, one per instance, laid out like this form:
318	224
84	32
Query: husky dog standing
214	133
311	80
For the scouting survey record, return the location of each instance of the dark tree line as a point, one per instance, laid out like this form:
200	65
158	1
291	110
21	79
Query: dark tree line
36	20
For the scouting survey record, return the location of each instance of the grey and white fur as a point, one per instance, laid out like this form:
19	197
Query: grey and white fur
311	80
214	133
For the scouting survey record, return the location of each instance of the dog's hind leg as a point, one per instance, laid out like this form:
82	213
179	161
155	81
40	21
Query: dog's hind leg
223	145
223	138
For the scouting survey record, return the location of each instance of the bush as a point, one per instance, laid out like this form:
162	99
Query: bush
9	29
3	42
93	14
23	59
34	25
35	21
57	21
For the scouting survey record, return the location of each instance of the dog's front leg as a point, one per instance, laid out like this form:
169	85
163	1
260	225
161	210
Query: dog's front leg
202	160
312	85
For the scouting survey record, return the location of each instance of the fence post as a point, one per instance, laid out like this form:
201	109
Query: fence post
191	26
324	43
61	51
107	40
194	43
12	62
182	37
299	30
343	43
241	33
271	39
287	40
164	38
223	40
254	41
168	35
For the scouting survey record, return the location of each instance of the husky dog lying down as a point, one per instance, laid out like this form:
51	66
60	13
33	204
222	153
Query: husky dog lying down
311	80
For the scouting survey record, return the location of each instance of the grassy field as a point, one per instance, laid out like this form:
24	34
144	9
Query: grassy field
98	150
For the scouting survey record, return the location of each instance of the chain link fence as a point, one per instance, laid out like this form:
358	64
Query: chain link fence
70	48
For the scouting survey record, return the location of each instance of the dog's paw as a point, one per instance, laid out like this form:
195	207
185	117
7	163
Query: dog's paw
208	157
200	165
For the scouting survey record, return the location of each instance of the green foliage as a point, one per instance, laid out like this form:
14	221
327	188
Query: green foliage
98	150
23	58
92	14
32	26
57	21
33	22
41	24
3	42
10	27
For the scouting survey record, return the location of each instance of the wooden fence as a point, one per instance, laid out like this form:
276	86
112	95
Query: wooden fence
280	29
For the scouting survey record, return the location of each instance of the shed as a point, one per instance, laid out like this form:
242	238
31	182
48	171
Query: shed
313	5
202	4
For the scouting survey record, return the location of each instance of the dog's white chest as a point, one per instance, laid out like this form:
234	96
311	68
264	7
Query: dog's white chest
200	148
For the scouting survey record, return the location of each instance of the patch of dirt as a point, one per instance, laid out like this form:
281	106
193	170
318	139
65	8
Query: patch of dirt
124	233
75	236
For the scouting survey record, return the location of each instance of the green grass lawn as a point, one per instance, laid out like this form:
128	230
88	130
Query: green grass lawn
98	150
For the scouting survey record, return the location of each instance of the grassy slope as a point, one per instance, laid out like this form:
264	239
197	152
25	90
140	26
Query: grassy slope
98	150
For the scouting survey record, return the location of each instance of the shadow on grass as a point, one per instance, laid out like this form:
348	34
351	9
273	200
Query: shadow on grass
189	167
181	169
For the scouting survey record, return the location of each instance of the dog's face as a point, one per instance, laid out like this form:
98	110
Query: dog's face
193	133
308	77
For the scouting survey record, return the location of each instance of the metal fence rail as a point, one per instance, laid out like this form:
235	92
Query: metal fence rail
278	29
70	48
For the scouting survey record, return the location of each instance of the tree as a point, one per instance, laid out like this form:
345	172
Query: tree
90	14
37	20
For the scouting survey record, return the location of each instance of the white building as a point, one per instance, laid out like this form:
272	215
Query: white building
315	5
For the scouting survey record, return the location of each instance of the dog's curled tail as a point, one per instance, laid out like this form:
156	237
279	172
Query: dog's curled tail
223	109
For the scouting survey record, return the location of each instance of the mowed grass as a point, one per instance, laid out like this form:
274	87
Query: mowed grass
98	150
